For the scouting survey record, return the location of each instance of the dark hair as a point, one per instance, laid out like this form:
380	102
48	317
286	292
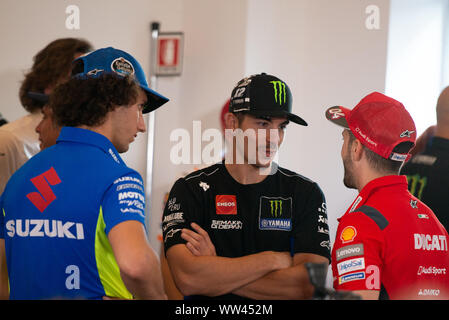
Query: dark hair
240	116
51	66
378	162
87	101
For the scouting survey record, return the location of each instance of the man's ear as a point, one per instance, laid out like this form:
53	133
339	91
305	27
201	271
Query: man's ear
356	150
231	121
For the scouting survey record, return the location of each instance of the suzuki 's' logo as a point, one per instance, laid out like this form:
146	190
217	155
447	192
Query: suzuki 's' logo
276	208
279	91
45	195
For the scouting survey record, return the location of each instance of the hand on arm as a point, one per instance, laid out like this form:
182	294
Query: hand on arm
198	241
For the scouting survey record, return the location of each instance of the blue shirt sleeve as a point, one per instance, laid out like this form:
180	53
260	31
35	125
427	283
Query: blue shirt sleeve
2	219
123	201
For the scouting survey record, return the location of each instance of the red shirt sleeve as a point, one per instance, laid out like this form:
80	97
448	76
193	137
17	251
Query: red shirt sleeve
357	253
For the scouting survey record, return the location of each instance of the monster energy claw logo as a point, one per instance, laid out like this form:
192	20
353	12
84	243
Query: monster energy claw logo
279	91
275	213
276	208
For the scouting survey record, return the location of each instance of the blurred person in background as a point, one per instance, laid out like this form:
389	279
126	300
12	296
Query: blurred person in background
51	66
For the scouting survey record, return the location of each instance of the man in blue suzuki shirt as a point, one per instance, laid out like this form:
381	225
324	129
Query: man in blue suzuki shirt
72	218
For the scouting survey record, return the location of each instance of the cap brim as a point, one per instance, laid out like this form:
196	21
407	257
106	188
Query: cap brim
338	115
37	96
271	113
155	100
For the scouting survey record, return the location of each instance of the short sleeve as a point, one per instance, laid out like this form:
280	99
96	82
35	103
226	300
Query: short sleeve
178	214
311	231
124	200
357	253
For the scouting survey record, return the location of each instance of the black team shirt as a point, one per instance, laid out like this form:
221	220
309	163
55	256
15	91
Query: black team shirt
428	177
284	212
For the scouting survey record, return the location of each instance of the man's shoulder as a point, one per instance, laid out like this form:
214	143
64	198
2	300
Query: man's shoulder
90	161
295	178
208	172
202	178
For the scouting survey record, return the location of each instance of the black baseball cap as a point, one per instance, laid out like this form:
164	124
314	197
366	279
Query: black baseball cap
263	95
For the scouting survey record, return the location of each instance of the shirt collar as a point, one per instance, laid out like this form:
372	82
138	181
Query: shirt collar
374	185
437	143
79	135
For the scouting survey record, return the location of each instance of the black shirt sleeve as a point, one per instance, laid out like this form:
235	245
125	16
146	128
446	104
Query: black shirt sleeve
311	231
179	213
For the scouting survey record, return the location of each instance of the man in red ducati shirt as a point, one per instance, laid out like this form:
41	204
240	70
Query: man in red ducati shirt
389	245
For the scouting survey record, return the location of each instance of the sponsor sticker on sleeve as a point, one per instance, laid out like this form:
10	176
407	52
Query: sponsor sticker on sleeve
130	195
351	277
350	251
351	265
348	234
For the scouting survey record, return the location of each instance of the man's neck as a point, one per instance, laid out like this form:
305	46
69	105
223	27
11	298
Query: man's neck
368	176
247	173
104	129
442	132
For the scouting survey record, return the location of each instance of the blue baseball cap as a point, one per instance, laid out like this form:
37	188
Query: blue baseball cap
111	60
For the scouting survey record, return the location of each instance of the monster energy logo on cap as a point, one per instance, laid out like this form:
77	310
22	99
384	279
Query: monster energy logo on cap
279	91
264	95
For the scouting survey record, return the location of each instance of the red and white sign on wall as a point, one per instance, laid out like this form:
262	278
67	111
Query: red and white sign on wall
169	53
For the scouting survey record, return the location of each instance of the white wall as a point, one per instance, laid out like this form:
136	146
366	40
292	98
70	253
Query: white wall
417	50
321	48
214	36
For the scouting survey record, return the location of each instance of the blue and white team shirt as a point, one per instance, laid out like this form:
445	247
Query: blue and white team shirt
56	213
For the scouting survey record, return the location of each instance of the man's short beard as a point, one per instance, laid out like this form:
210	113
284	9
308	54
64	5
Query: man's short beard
348	179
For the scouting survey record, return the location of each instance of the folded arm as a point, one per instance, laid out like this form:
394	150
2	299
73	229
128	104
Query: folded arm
287	283
214	276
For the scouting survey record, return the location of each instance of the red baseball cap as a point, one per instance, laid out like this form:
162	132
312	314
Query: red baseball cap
380	123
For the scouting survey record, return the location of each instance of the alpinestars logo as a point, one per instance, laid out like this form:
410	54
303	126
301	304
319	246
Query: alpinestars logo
279	92
406	133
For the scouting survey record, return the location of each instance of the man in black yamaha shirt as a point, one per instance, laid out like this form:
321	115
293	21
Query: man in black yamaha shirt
428	172
244	228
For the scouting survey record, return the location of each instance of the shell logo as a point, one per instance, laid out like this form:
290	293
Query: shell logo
348	234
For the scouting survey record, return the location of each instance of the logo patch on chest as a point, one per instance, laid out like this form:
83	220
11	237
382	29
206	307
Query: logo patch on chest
275	213
226	204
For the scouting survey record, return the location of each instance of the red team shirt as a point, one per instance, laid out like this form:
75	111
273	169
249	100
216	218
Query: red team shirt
390	241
